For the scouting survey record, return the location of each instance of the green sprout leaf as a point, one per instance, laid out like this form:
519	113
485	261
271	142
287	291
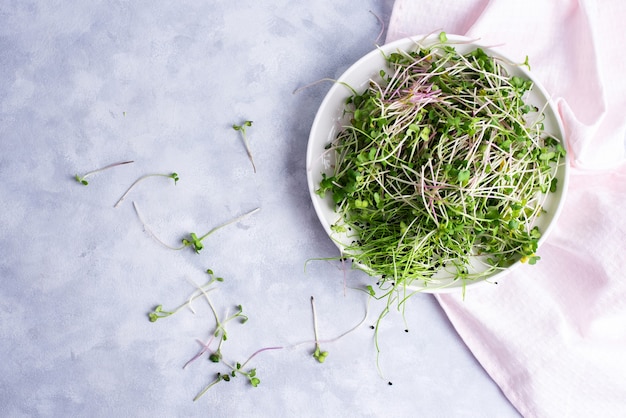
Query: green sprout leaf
320	355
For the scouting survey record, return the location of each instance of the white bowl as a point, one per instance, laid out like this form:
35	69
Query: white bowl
330	119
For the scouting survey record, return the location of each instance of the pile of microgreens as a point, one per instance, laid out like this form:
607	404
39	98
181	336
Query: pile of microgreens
442	161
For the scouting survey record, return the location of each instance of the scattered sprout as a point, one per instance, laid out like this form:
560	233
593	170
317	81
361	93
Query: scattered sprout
82	179
242	128
318	354
172	176
158	312
192	240
196	242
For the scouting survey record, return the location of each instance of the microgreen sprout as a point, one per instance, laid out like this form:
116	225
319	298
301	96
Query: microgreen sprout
172	176
318	354
382	27
244	136
220	326
220	334
82	179
237	369
192	240
158	312
306	86
196	242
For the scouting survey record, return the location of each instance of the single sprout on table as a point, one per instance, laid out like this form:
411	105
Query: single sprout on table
242	128
318	354
158	312
196	242
172	176
193	240
82	179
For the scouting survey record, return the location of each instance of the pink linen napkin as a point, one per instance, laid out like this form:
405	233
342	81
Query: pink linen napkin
553	335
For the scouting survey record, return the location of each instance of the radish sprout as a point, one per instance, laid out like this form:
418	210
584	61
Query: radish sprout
193	239
318	354
173	176
196	242
83	179
244	136
159	313
237	369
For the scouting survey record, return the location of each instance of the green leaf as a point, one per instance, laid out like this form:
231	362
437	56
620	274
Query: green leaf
463	176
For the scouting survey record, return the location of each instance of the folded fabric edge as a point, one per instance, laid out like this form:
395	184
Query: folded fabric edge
480	352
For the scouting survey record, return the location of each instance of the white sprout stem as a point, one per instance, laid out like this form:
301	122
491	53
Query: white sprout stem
105	168
232	221
149	231
145	176
315	333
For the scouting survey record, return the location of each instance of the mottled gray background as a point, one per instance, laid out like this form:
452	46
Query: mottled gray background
85	84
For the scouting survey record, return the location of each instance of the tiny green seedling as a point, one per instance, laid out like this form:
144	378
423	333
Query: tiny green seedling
220	330
221	335
237	368
196	242
192	240
220	326
83	179
173	176
318	354
158	312
242	128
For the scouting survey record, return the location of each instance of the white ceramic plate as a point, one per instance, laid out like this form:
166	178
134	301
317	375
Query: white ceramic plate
330	119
